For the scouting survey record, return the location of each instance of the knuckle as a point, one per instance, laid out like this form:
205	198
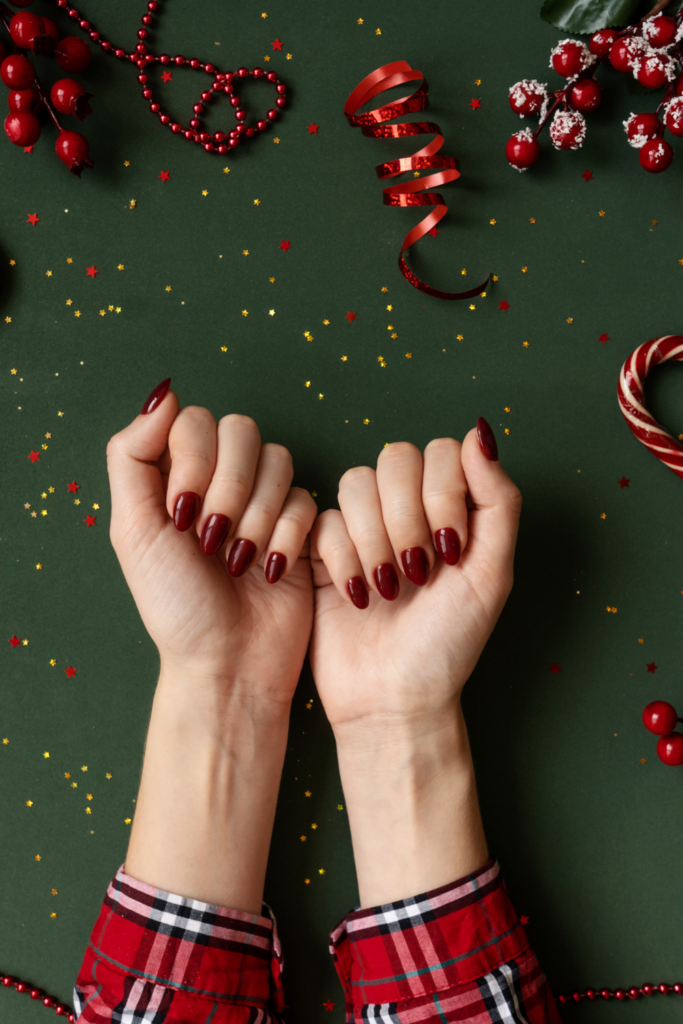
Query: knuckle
237	484
404	514
356	476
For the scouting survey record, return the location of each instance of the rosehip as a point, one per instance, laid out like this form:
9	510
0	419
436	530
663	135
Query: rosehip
654	69
22	129
23	29
522	150
673	119
72	54
50	29
567	130
17	72
624	52
655	156
660	30
69	97
570	57
641	127
72	149
660	717
22	101
585	95
527	97
601	42
670	749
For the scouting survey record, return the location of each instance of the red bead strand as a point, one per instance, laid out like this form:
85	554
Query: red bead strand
620	993
61	1009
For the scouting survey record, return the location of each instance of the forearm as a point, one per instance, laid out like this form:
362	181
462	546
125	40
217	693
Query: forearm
412	804
210	779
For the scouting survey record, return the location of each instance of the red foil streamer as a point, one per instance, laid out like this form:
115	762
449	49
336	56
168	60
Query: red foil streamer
632	400
374	124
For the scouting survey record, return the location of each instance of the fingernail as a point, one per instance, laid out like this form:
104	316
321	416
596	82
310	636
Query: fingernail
186	509
214	533
487	441
157	396
275	566
240	556
415	565
447	544
386	581
358	592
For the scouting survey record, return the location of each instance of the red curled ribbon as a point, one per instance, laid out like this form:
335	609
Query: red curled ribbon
374	125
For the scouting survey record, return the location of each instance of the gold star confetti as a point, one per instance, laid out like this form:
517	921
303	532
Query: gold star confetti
416	174
257	202
507	430
492	221
266	58
378	31
126	163
570	319
37	857
321	396
168	288
264	15
307	793
88	810
29	803
67	775
13	371
307	383
46	754
133	203
205	192
69	302
53	914
224	348
472	306
390	308
276	140
69	259
360	21
245	312
385	289
12	263
321	871
127	821
601	213
340	807
524	270
54	892
89	796
409	355
314	825
302	838
307	881
272	280
326	322
506	409
460	337
84	767
48	273
366	422
526	344
103	312
5	741
643	760
603	515
494	278
39	566
271	312
77	313
289	56
108	775
8	319
477	81
226	170
390	327
74	785
655	222
641	640
344	359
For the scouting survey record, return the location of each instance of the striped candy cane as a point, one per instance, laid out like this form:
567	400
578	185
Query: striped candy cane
632	402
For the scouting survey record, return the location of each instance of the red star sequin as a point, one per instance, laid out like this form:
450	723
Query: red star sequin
555	669
34	456
15	641
587	175
70	672
91	271
167	76
33	218
90	520
328	1005
285	245
277	45
624	482
73	487
433	232
603	338
523	919
350	316
475	104
29	149
165	175
652	667
504	305
312	128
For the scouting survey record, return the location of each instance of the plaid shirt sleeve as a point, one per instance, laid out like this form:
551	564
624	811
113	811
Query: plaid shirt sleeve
154	957
458	953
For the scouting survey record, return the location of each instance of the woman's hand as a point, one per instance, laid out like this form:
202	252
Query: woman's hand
212	541
403	652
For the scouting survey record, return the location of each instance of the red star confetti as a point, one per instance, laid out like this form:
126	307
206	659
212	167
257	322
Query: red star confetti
555	669
523	919
29	149
624	482
434	232
73	487
652	667
328	1005
70	671
277	45
285	245
90	520
504	305
350	316
165	175
91	271
603	338
33	218
312	128
167	76
475	104
587	175
15	641
34	456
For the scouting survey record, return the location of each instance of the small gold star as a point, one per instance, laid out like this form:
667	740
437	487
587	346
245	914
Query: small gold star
245	252
641	640
472	306
77	313
526	344
307	881
74	785
307	383
29	803
12	263
321	871
409	355
226	170
314	826
289	56
103	312
655	222
205	192
127	821
48	273
385	289
307	793
257	202
245	312
264	15
492	221
326	322
108	775
507	430
344	359
524	270
390	308
53	662
133	203
276	140
416	174
13	371
366	422
126	163
321	397
266	58
390	327
69	259
460	337
89	796
302	838
272	280
570	319
54	892
38	857
53	914
643	760
224	348
5	741
477	81
168	288
340	807
494	278
118	308
67	775
88	810
601	213
360	21
84	767
378	31
507	408
271	312
8	319
603	515
394	335
120	266
46	754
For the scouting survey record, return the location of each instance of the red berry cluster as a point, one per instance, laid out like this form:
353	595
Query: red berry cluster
36	993
661	718
26	99
650	50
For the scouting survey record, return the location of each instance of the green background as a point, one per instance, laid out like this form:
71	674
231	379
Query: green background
589	835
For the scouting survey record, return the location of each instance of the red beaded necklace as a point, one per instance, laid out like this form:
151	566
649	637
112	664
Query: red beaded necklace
222	81
23	986
621	993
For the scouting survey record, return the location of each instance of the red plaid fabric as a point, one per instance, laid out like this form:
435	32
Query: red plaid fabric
457	953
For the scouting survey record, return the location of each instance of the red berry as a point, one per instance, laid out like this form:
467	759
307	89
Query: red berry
72	54
641	127
527	97
670	748
72	149
567	130
69	97
50	29
624	52
660	30
522	150
21	101
673	118
654	69
660	718
17	72
655	156
22	129
23	29
570	57
585	95
601	42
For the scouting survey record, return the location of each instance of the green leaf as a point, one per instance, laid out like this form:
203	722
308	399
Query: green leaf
584	16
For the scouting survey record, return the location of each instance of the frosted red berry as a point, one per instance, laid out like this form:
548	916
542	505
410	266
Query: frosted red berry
585	95
654	69
655	156
522	150
673	117
527	97
22	101
660	717
601	41
17	72
624	52
570	57
660	30
72	54
670	749
642	127
567	130
22	129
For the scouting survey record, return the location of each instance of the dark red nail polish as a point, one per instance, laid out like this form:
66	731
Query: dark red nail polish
240	556
386	581
275	566
157	396
215	531
186	510
415	565
487	441
447	544
358	592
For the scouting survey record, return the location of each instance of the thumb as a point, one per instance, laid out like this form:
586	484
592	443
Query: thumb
496	503
134	479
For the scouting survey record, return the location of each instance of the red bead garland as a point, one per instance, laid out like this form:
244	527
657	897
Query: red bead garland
61	1009
221	81
620	993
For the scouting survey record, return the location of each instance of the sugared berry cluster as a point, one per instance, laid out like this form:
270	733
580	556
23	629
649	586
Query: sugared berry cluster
650	50
26	99
661	718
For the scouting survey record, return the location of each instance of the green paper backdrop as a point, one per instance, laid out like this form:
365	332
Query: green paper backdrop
584	819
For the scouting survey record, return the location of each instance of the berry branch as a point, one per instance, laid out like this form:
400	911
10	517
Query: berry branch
650	49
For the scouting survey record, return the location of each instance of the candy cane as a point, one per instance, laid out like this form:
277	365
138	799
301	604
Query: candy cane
632	401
